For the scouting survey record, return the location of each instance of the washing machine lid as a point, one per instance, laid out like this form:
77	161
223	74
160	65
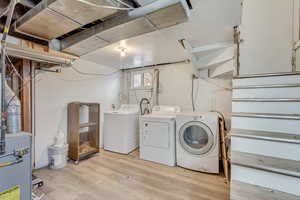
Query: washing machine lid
196	138
158	117
125	109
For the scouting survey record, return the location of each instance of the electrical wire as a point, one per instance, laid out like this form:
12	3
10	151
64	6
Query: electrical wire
93	74
192	95
197	93
78	80
102	6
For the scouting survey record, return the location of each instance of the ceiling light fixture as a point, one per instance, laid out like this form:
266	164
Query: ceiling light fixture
122	51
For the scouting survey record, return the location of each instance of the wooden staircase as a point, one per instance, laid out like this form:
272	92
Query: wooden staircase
265	138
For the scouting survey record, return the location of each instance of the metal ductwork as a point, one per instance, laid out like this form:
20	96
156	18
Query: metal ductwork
13	110
53	18
154	16
13	105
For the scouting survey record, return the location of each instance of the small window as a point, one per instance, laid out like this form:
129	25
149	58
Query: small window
141	80
137	80
147	79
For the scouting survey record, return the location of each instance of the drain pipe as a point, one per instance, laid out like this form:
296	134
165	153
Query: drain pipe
3	73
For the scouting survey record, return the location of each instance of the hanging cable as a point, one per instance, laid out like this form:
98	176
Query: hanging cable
192	94
197	92
103	6
94	74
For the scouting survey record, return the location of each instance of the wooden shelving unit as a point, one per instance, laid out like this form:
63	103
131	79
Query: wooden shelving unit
83	137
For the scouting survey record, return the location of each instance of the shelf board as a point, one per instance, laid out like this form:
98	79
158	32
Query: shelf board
92	150
87	124
85	132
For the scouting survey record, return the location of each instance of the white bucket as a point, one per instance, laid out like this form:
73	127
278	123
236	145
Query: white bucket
58	156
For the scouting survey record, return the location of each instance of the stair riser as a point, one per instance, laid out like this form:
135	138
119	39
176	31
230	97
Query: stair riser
265	124
293	92
262	178
267	80
267	107
266	148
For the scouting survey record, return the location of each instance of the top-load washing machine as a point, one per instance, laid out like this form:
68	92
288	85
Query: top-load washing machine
197	141
121	129
157	135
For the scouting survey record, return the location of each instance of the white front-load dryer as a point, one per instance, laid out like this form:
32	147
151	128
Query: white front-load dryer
197	141
157	135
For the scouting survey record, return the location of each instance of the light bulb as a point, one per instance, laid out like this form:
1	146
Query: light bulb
123	53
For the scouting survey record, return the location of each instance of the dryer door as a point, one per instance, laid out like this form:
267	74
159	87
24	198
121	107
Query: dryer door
196	138
156	134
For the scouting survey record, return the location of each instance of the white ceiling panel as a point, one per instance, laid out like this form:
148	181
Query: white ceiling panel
141	51
211	21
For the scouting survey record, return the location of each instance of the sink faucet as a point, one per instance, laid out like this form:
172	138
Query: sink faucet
146	110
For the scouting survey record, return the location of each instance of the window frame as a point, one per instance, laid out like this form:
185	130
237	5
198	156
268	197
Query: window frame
142	85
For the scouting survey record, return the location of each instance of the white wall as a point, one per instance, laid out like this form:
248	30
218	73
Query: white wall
176	86
268	33
55	91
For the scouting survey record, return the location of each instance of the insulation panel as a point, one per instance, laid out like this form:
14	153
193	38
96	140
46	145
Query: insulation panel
46	24
130	29
86	46
81	12
168	16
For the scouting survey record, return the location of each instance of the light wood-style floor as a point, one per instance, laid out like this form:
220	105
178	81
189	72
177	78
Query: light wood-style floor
111	176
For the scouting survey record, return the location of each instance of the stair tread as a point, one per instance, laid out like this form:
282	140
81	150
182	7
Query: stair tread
263	86
244	191
271	164
267	115
266	99
275	136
